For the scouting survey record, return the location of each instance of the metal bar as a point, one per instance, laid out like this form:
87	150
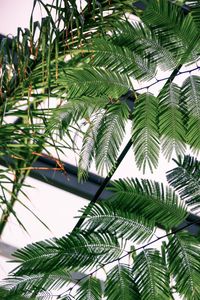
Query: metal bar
68	182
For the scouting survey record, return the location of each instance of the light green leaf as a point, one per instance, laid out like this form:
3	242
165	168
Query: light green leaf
145	131
184	264
120	284
151	276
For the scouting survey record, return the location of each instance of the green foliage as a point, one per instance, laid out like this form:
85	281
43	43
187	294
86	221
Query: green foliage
191	97
79	72
183	255
90	289
151	275
120	284
124	224
171	124
145	131
33	285
149	199
187	185
71	251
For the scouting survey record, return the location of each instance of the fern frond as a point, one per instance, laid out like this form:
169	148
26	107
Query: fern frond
78	250
120	284
184	264
185	178
137	37
124	224
145	131
120	59
110	136
32	285
148	199
171	124
191	97
90	81
88	144
169	23
90	289
151	276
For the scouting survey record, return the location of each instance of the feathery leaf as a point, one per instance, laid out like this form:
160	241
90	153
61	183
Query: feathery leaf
150	275
186	180
184	264
120	284
145	131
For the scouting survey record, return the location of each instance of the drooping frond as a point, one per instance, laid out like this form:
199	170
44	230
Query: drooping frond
171	124
185	178
32	285
184	264
145	131
137	37
78	250
121	59
88	145
120	284
124	224
151	277
91	81
169	23
90	289
110	135
191	97
149	199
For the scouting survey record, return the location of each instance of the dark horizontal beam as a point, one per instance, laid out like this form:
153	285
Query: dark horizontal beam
43	170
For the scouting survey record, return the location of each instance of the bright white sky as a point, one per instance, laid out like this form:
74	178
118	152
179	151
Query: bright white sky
55	207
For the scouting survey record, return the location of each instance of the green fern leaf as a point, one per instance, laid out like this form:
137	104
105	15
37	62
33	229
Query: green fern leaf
148	199
78	250
186	180
120	284
104	218
88	144
184	264
171	124
110	136
32	285
90	289
169	23
121	59
150	275
145	131
90	81
191	97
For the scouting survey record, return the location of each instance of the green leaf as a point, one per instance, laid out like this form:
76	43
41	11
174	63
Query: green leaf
120	284
104	217
110	136
184	264
171	124
78	250
35	284
186	180
169	23
145	131
88	144
191	97
151	276
148	199
90	289
90	81
120	59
